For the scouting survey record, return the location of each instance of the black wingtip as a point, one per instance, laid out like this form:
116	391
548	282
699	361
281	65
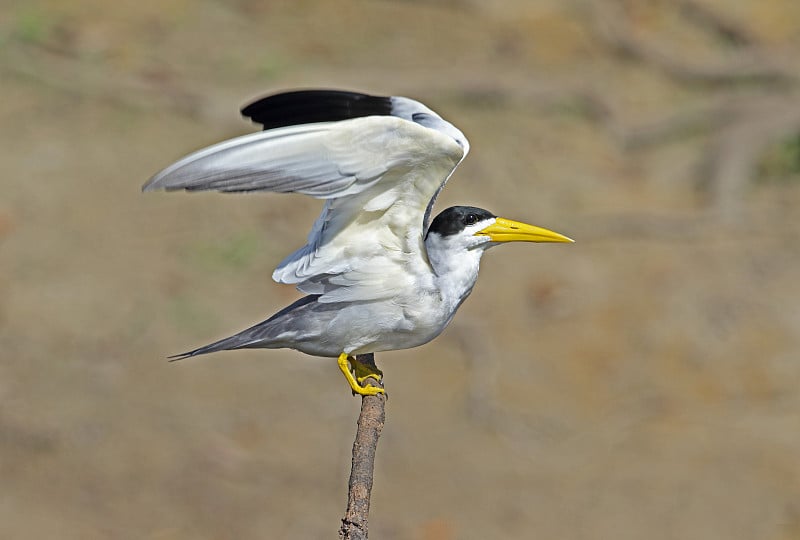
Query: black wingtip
311	106
181	356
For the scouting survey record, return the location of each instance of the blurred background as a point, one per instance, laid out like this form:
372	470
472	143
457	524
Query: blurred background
641	383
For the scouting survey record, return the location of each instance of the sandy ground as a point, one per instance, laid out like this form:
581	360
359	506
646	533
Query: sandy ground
641	383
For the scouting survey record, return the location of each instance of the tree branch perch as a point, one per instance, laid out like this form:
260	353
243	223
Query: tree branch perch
370	424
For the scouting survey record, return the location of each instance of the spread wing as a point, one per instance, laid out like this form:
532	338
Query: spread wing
379	163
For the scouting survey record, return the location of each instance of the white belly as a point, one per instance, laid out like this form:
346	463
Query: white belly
412	318
384	325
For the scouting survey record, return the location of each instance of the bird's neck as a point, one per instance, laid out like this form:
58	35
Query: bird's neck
456	270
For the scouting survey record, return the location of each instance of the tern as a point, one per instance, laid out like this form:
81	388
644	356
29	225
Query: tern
378	274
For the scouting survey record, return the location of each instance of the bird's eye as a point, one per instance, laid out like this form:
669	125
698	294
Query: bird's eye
470	219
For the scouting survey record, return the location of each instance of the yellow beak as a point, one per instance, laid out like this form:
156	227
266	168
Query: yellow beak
505	230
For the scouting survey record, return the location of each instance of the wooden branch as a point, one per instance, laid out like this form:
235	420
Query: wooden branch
370	424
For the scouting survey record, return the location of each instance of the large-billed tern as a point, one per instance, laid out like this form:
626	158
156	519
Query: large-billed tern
378	275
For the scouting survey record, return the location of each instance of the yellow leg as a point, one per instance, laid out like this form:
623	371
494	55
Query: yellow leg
344	365
362	371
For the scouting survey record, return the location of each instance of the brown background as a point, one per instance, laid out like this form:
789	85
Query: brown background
641	383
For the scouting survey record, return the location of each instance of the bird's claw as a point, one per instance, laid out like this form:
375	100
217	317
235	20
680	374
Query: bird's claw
363	371
359	373
369	390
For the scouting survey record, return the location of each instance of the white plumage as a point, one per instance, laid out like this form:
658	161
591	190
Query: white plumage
377	277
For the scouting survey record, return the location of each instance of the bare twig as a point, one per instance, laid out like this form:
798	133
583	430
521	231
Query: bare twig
370	424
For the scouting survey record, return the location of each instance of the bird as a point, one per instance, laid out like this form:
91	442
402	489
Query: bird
377	273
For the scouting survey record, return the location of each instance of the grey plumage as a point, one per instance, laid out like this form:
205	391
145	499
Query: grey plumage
376	280
306	315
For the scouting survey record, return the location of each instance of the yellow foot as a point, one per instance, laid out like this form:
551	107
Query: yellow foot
362	372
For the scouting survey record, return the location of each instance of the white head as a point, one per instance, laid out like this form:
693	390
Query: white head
458	236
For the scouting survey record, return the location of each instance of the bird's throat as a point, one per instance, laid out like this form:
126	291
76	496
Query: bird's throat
455	269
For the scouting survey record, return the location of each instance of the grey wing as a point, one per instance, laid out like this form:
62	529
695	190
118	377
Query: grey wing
294	159
362	165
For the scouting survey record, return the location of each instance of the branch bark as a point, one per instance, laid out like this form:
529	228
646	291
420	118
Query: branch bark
370	424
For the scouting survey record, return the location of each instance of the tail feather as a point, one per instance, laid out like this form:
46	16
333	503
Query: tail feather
238	341
258	336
